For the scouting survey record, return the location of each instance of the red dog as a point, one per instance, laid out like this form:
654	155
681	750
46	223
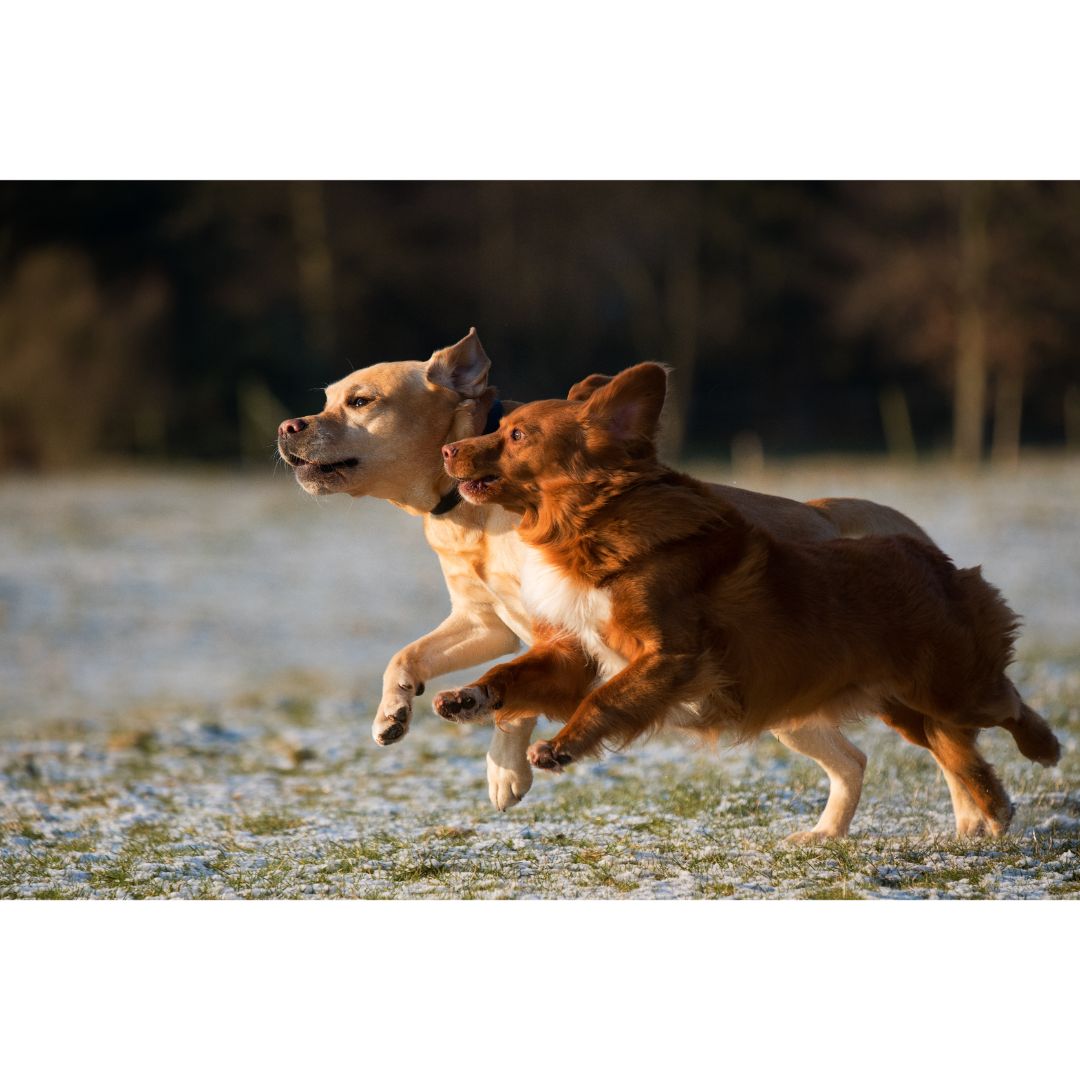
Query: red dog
646	587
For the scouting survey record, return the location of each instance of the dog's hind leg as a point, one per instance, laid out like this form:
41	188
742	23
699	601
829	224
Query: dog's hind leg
509	773
844	764
954	747
912	725
969	818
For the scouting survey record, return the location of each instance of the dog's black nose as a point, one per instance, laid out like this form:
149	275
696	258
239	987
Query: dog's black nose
449	451
291	427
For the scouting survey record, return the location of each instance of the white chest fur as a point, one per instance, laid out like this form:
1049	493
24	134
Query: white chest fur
560	601
550	595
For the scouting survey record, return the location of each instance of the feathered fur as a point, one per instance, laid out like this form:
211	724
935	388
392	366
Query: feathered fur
749	632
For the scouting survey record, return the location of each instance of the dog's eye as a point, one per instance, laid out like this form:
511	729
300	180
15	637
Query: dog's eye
360	402
516	435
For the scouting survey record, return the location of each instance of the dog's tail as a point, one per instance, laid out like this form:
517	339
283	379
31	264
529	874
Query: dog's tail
861	517
996	626
1033	736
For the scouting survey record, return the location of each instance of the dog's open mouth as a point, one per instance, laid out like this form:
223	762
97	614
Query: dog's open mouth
297	462
478	489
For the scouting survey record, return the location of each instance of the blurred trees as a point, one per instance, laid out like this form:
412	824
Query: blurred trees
179	319
973	280
71	350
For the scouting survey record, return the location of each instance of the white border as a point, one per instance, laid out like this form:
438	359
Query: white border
565	89
426	988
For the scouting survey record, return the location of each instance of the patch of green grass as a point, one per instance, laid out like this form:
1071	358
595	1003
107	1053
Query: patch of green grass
831	892
84	842
149	833
115	875
268	822
929	879
418	871
690	801
715	890
373	848
1069	887
452	833
26	829
596	862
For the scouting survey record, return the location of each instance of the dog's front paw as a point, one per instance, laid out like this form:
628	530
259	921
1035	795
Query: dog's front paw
392	720
545	755
469	705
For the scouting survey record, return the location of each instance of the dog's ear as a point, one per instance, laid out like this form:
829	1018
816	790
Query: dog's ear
628	406
587	387
462	368
470	417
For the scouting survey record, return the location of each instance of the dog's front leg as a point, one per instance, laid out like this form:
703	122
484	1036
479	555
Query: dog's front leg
617	712
464	638
552	677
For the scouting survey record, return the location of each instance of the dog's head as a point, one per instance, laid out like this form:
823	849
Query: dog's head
380	431
606	424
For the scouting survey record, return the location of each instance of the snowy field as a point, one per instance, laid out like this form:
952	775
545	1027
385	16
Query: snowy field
189	664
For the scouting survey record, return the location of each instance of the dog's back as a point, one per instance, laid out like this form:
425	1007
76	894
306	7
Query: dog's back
834	628
888	609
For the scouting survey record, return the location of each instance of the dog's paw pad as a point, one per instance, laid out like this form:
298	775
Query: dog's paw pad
544	755
390	734
389	727
392	721
462	706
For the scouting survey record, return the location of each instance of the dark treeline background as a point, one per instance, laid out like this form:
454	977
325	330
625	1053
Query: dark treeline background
184	320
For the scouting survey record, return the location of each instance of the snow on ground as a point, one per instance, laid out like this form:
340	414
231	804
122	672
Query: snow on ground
189	664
